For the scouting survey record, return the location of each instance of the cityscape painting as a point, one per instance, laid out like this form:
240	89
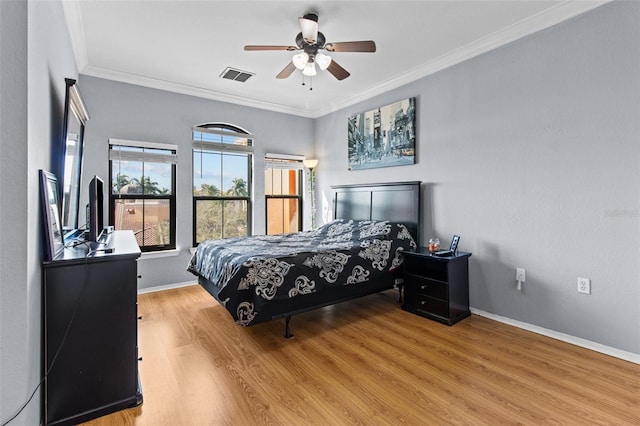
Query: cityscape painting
383	137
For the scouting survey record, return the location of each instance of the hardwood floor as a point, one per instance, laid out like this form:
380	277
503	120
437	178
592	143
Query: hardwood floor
364	362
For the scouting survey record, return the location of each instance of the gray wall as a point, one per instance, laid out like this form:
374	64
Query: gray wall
530	153
36	57
125	111
14	314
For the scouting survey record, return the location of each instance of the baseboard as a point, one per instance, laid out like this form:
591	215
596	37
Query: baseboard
587	344
166	287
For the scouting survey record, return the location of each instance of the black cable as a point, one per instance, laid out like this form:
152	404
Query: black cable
91	250
25	404
64	338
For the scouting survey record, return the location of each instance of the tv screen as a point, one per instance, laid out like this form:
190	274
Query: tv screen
95	214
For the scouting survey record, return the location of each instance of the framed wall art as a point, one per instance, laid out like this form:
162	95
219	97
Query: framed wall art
383	137
50	205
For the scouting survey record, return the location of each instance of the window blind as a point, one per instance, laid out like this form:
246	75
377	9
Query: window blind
120	149
283	161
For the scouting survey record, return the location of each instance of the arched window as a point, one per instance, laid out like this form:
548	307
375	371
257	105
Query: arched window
222	169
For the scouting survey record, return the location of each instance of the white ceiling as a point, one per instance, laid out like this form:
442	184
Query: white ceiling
184	45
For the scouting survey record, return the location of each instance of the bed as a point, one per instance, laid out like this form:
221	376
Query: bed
267	277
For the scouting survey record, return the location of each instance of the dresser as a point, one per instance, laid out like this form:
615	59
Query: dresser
436	287
90	331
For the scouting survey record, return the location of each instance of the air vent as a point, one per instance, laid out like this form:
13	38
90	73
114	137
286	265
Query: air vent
237	75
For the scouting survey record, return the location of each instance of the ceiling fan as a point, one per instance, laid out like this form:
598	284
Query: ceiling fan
309	43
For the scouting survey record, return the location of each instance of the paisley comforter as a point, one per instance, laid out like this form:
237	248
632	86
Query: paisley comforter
250	272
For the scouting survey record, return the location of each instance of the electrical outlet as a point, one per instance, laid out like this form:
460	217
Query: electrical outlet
584	285
521	275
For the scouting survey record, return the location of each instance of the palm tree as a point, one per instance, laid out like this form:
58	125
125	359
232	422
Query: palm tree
148	187
206	189
121	180
238	188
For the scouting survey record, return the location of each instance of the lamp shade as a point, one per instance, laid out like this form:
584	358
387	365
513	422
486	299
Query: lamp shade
323	61
309	27
300	60
310	164
310	69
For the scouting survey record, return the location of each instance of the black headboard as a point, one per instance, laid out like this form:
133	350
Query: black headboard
394	201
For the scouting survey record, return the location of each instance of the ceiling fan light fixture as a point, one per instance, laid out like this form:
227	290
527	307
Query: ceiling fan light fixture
300	60
310	69
323	61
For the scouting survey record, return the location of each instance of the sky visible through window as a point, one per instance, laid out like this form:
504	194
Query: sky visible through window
219	169
127	171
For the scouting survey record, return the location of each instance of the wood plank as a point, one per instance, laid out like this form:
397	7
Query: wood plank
364	362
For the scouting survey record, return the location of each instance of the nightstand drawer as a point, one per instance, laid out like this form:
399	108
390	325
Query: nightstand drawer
431	306
427	287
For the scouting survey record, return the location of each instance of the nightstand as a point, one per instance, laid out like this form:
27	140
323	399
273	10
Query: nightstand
436	287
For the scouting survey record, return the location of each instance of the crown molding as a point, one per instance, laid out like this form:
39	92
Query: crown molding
531	25
73	17
546	19
184	89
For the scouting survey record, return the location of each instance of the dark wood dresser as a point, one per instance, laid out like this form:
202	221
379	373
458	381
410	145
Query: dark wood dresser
437	287
90	331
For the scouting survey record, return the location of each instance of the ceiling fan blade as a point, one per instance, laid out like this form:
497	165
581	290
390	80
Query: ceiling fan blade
253	47
337	71
286	72
352	46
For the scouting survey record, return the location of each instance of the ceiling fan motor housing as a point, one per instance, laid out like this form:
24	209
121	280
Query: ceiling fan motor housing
311	16
310	48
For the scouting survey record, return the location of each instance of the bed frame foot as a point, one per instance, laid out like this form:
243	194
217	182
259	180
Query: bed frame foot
287	331
399	285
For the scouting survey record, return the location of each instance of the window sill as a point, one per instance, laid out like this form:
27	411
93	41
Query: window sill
158	254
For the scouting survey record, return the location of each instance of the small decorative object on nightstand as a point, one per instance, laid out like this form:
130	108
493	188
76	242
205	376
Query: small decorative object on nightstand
437	287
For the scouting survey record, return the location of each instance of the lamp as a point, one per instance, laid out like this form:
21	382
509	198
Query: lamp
323	61
309	69
300	60
311	164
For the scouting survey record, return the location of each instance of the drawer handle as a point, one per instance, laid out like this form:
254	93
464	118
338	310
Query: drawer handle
423	287
422	302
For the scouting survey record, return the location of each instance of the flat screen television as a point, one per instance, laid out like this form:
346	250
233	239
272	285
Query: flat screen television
95	216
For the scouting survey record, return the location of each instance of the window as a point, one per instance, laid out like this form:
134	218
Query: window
283	192
142	196
222	168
